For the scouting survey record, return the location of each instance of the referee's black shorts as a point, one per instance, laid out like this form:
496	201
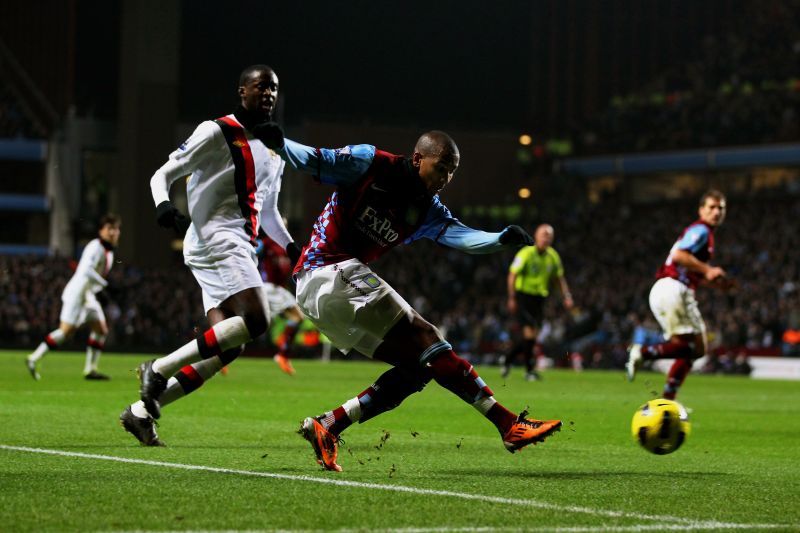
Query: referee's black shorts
530	309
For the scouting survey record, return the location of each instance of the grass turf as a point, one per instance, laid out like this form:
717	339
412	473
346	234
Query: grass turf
739	467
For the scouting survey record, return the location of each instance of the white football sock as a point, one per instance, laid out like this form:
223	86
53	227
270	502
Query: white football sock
174	391
229	333
138	410
92	352
57	336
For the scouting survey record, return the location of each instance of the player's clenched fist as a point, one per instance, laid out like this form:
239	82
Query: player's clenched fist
168	216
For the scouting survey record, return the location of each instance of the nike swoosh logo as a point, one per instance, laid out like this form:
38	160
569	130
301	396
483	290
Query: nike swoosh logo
373	186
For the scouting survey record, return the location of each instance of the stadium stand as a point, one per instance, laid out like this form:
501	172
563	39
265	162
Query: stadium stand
741	89
610	251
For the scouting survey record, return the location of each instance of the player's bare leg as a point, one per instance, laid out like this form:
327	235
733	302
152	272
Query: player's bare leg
52	341
94	348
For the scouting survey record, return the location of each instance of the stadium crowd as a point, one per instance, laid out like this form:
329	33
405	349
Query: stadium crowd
147	308
610	252
742	88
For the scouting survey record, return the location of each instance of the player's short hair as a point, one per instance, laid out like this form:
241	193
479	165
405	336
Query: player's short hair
109	218
435	142
251	71
712	193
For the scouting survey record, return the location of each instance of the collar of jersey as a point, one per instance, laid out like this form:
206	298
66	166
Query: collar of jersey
419	188
246	118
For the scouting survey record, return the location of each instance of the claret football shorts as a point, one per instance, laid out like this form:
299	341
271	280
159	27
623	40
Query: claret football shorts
350	304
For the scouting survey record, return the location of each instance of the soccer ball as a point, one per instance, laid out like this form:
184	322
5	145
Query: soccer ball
660	426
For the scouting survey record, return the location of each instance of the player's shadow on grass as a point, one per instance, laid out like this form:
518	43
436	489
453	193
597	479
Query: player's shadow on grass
544	474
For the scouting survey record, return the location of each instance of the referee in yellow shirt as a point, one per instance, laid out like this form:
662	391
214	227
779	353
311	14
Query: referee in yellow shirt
529	279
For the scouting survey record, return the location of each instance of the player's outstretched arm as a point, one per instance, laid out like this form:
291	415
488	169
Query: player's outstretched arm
473	241
342	166
442	227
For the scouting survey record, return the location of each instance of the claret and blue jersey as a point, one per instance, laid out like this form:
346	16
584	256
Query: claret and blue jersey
380	202
698	240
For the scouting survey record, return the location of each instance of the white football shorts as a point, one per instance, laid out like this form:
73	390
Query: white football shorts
79	309
350	304
675	308
278	298
222	269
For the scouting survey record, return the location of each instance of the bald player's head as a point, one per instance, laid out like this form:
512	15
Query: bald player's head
543	237
436	142
436	159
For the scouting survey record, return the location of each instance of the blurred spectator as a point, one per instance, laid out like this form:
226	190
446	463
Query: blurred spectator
742	88
611	251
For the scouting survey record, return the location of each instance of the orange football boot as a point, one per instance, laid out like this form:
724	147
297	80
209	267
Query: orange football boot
284	363
324	442
527	430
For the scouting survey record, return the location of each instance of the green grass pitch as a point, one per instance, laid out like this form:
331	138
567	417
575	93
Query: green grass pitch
235	462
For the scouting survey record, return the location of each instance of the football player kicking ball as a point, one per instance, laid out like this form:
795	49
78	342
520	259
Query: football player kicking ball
233	189
79	301
672	297
382	200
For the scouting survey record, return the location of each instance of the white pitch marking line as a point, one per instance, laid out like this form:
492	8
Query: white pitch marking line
413	490
698	526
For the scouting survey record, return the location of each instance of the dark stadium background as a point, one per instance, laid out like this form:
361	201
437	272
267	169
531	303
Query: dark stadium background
633	109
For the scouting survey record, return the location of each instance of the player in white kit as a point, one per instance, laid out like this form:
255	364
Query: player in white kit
79	301
232	191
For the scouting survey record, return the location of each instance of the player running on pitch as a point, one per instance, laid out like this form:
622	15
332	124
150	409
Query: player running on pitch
276	267
79	301
672	297
233	190
383	200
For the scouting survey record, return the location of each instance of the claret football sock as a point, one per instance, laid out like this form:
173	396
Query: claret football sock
459	377
501	417
388	391
288	335
677	374
668	350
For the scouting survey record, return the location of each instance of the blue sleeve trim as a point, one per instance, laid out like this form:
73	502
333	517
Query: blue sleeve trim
340	166
694	240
